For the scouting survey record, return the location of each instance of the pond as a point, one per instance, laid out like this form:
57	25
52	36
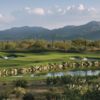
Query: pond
75	73
71	73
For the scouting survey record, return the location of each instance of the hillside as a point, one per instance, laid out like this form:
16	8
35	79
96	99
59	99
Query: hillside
90	30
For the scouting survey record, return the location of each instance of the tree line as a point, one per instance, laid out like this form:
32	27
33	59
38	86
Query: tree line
68	45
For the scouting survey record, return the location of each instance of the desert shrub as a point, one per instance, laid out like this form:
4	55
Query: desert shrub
19	91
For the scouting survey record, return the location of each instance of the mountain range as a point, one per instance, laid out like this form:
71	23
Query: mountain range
89	30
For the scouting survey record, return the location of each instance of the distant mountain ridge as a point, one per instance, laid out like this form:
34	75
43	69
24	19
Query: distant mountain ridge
90	30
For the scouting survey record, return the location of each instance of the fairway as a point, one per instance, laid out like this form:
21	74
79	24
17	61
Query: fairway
31	59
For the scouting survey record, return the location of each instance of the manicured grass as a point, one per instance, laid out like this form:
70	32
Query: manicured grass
28	59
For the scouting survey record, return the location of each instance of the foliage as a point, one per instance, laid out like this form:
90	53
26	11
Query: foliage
21	83
19	91
28	96
92	95
32	45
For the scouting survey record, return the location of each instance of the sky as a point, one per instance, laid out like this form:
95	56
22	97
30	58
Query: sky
47	13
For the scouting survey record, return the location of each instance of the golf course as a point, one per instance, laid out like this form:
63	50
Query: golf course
28	59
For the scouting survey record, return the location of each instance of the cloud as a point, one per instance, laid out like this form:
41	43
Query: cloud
81	7
1	16
94	13
27	8
37	11
92	9
63	10
50	12
4	19
60	9
69	8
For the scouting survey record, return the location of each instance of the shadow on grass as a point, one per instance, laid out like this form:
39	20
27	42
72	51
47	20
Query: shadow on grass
37	51
49	61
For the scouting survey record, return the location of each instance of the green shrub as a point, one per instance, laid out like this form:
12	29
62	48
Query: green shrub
21	83
28	96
